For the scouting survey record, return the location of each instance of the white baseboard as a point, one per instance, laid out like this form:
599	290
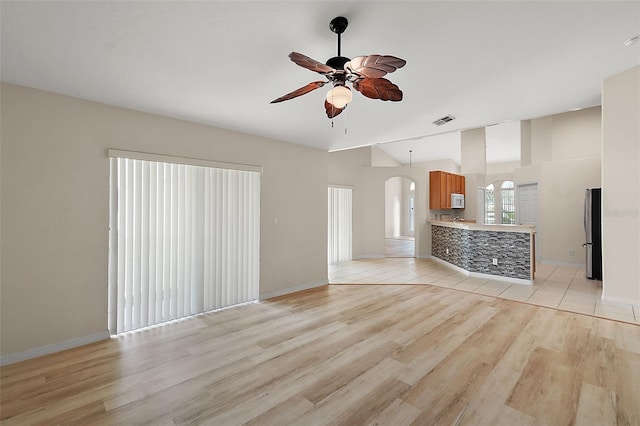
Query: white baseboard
301	287
571	264
52	348
370	256
480	275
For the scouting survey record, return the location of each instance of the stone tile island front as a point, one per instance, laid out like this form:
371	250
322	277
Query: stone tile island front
503	252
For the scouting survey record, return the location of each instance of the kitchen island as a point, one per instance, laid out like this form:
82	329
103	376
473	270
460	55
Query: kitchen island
503	252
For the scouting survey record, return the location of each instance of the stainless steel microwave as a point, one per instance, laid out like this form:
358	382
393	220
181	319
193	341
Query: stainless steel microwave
457	201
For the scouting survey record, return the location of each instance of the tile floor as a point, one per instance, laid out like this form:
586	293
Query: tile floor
399	247
560	287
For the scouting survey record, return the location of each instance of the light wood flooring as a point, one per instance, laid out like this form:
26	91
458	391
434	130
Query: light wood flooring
560	287
344	355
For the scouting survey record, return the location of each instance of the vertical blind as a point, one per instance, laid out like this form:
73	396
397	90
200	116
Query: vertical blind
340	218
184	239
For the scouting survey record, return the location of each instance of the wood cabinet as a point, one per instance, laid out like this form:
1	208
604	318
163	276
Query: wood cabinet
441	186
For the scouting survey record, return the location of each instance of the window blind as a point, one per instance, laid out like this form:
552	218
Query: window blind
340	225
184	239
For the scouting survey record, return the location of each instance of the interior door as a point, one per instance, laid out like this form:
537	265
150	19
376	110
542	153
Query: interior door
527	210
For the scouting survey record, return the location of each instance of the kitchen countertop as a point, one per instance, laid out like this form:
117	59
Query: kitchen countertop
530	229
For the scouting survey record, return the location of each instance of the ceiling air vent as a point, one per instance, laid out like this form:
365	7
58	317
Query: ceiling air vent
443	120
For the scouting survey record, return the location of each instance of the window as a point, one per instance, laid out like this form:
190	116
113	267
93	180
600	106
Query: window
490	205
184	239
507	194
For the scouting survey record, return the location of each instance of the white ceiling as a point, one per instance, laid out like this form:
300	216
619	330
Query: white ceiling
221	63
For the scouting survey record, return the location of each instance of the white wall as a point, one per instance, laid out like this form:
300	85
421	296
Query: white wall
566	161
621	187
393	208
55	195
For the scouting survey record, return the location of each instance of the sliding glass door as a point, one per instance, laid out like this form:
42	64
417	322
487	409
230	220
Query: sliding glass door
184	239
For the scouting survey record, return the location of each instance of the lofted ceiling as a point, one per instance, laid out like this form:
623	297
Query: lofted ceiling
221	62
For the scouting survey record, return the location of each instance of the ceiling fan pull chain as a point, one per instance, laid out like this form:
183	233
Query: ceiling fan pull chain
345	120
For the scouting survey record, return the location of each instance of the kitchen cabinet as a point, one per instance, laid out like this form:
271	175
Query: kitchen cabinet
441	186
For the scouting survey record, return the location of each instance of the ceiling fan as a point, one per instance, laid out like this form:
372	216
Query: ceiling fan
363	72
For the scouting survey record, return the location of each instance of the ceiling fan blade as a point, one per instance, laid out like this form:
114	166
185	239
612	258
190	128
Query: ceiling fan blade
331	110
374	66
301	91
310	64
378	88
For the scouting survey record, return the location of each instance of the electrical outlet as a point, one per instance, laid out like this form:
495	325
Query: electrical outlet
495	261
571	252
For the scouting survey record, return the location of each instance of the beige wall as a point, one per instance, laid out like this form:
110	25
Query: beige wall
473	147
444	165
621	187
525	143
502	168
541	138
393	208
472	182
345	168
373	208
561	207
577	134
55	195
351	167
397	208
565	150
379	158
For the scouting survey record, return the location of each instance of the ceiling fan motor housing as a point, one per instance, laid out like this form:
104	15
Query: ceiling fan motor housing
338	62
338	24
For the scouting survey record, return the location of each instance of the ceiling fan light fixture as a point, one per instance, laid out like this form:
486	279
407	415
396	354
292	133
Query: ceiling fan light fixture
364	73
339	96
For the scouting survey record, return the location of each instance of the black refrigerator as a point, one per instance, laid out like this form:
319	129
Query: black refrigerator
593	231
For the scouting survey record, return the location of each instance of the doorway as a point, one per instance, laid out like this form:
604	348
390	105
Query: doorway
340	225
400	221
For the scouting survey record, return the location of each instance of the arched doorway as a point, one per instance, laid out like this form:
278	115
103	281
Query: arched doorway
400	218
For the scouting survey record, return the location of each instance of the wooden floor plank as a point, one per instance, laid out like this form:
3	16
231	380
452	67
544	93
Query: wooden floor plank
344	355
